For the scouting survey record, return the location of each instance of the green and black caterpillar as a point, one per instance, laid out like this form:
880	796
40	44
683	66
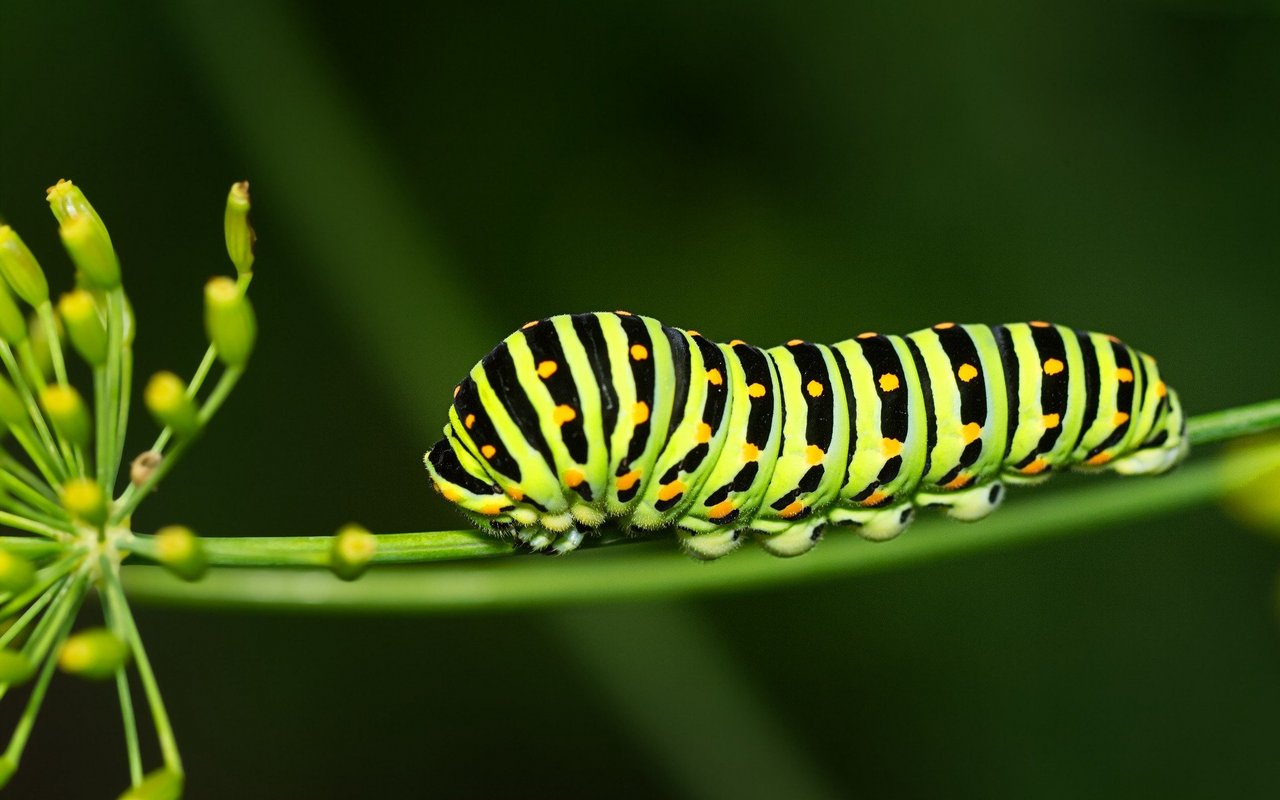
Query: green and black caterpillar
580	418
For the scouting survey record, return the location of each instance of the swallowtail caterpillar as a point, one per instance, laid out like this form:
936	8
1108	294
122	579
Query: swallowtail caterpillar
578	419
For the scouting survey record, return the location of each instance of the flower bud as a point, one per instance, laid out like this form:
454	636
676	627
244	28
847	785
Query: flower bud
179	549
90	248
14	668
94	653
84	326
16	573
352	550
20	269
160	784
13	324
13	412
85	500
229	321
68	203
166	399
67	412
240	234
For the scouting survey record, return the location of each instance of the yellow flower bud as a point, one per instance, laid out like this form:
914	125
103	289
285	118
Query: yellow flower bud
95	653
85	327
16	573
90	248
67	412
85	500
352	551
229	321
239	233
166	399
13	324
20	269
179	549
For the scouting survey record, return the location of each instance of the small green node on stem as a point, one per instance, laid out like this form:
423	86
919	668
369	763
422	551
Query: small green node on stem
94	653
229	321
85	326
16	573
160	784
179	549
19	268
143	465
239	232
84	500
67	412
353	550
15	668
167	399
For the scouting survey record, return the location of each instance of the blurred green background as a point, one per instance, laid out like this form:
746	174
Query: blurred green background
425	180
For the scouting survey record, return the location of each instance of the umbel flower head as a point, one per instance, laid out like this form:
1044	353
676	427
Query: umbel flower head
67	519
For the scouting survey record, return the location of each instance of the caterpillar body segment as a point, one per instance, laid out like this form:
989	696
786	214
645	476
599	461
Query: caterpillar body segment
576	419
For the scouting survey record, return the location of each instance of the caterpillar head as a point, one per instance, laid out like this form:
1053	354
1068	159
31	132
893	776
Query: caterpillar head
458	478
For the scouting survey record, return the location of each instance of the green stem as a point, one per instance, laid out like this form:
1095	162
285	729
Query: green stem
22	732
114	621
13	467
108	420
1231	423
45	578
31	496
23	524
655	570
33	611
159	716
70	452
28	547
134	495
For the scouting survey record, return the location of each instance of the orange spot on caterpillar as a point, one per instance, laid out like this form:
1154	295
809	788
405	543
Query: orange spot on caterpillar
720	510
1051	420
515	493
639	352
469	421
703	434
750	452
1053	366
889	382
1039	324
757	390
967	372
971	432
670	490
794	342
1035	467
491	508
563	414
791	510
640	413
488	451
875	498
814	388
1124	375
625	482
573	477
451	493
736	342
714	377
1098	460
1119	419
890	447
694	333
1161	389
944	326
868	335
814	454
960	482
529	324
623	313
547	368
456	389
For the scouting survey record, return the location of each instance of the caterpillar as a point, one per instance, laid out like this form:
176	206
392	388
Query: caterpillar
576	419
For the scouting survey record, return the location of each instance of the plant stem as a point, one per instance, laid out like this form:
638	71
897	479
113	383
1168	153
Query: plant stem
128	718
1231	423
159	716
655	570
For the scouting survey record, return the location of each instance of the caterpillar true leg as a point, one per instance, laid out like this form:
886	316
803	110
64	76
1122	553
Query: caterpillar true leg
577	419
